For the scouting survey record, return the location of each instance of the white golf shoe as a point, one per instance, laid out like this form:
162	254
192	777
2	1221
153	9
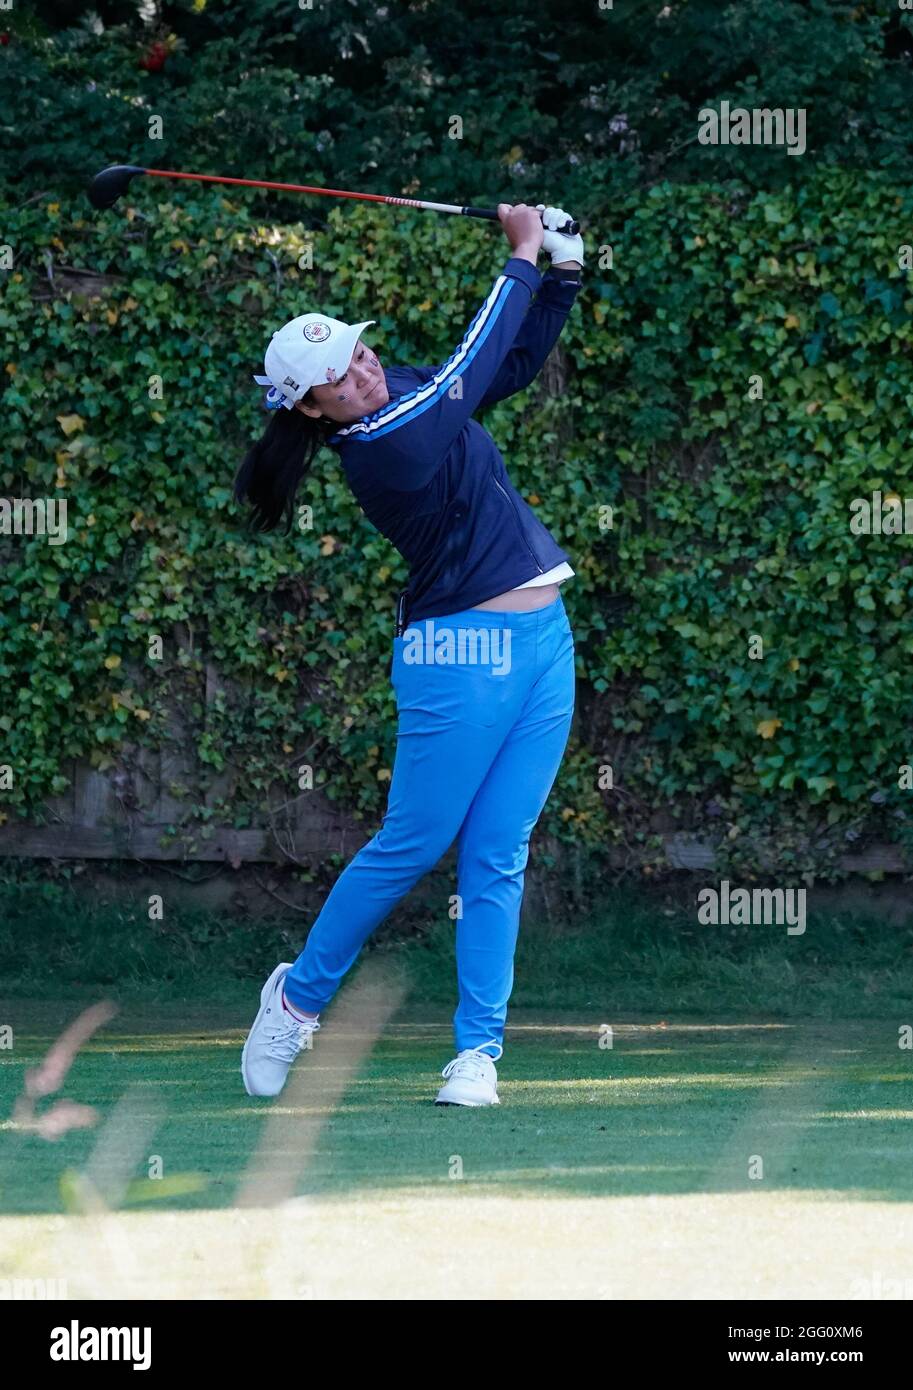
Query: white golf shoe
274	1041
471	1080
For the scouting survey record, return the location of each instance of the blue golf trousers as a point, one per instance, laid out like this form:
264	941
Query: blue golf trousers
485	700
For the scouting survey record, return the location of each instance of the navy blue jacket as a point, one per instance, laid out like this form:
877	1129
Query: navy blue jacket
433	481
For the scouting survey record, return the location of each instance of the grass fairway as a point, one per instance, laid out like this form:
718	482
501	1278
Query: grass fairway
605	1172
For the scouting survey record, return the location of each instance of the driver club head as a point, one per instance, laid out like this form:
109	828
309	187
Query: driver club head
107	187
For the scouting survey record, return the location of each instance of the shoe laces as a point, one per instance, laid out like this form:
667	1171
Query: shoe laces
470	1063
288	1038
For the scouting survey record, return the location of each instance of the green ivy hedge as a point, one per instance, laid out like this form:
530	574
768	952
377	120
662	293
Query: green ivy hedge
730	513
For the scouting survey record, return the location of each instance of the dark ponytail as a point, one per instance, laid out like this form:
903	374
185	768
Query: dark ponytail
273	467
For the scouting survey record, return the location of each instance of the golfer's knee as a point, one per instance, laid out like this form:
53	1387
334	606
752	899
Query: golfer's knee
413	853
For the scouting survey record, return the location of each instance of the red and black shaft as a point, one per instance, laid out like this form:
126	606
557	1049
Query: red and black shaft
111	183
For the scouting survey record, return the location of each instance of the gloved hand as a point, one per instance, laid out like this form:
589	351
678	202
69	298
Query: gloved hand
559	245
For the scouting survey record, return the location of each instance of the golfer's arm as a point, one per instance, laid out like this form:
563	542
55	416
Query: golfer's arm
537	335
530	252
526	252
409	439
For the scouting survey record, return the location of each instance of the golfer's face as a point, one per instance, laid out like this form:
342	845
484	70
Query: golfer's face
359	391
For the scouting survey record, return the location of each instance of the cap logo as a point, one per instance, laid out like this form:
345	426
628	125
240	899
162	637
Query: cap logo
290	382
316	332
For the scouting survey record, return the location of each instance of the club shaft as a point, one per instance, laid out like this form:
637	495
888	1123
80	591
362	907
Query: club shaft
490	213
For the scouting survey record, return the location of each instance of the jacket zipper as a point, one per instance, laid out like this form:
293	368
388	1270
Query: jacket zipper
519	523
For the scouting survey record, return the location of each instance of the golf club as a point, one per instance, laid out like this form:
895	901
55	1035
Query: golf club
108	185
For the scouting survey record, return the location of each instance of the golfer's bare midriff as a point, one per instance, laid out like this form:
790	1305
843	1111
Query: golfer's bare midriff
522	600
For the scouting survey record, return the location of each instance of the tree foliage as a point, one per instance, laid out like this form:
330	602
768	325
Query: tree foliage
559	101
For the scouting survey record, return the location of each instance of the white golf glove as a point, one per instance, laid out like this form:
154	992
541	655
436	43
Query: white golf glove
559	245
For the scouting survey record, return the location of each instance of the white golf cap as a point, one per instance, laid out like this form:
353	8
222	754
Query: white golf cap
311	350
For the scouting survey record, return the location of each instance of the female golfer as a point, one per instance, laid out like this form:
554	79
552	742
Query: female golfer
483	659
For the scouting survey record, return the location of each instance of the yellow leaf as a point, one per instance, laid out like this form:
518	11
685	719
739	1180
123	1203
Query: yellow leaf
142	714
892	500
111	316
699	241
328	544
53	207
158	417
425	306
112	662
534	499
790	321
768	727
383	774
11	368
794	664
286	748
130	303
55	241
71	423
282	674
567	814
812	407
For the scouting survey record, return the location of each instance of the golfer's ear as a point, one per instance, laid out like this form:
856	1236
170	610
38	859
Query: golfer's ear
313	411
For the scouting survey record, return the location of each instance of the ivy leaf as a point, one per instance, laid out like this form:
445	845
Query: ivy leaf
71	423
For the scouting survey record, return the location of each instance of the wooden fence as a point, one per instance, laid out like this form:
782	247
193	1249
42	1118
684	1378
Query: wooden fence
111	815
